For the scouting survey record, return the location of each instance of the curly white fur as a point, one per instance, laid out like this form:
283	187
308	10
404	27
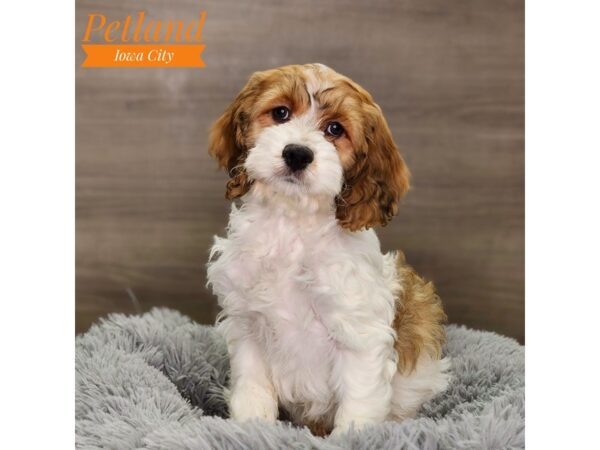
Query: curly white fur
307	314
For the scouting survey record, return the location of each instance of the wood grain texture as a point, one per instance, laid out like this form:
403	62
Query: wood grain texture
449	77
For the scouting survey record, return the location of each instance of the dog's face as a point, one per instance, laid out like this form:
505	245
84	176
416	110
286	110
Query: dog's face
305	130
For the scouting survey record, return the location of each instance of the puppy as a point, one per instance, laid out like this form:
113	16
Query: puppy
319	323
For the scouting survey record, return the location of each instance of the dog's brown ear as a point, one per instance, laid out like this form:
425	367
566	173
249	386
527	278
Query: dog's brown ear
227	141
378	179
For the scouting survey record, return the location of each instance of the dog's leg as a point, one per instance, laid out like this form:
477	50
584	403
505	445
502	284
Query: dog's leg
358	310
365	393
363	368
252	394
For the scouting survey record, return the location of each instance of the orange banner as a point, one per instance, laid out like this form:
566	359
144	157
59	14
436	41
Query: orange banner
148	55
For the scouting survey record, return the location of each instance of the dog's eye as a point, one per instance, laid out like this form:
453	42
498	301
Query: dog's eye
281	114
334	129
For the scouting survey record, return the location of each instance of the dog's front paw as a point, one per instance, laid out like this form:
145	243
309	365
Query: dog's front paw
343	426
252	401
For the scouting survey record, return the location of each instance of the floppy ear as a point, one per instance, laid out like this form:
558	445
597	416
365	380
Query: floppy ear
378	179
227	144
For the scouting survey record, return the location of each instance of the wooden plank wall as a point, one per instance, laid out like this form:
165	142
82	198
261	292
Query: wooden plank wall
448	75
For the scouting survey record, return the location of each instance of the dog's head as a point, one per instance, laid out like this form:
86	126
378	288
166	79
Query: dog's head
305	130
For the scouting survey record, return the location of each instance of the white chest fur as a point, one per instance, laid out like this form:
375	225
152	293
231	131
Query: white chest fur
289	284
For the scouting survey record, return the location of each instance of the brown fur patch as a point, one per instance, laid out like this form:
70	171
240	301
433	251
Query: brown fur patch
320	429
419	319
375	175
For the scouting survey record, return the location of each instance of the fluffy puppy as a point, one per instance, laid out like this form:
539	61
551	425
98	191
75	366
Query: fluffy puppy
319	323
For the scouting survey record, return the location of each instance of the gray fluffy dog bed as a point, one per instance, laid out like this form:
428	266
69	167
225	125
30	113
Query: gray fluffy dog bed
156	381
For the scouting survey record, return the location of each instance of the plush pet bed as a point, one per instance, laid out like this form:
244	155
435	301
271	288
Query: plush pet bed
157	381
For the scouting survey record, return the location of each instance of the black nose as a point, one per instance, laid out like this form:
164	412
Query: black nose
297	157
